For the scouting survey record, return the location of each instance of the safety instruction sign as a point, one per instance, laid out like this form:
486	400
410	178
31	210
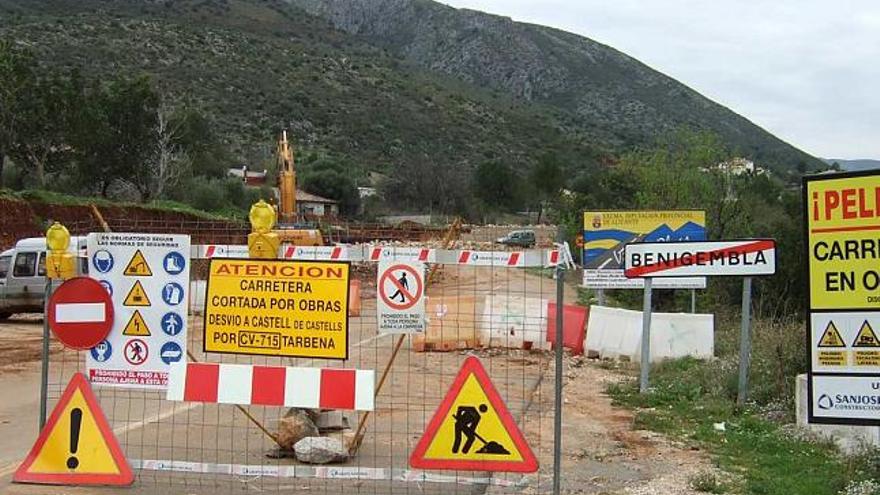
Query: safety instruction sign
606	234
400	300
472	430
147	276
77	445
277	308
842	213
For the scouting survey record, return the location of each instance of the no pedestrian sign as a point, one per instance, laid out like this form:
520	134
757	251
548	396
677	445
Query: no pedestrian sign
277	308
401	301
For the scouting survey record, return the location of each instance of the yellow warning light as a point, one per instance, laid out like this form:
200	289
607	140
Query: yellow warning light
57	237
262	217
59	263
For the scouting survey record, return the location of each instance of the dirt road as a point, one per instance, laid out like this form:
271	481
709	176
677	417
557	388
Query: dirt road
601	452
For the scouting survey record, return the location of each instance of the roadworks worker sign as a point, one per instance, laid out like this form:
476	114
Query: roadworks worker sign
401	297
472	429
842	213
277	308
77	445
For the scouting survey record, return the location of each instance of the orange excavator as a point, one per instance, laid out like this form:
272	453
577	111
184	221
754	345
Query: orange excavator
289	230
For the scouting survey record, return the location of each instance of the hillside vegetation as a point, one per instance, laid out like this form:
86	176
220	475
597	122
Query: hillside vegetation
611	96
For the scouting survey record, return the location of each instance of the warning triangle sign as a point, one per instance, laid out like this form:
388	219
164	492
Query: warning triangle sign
138	266
136	326
77	446
137	296
831	337
866	337
472	430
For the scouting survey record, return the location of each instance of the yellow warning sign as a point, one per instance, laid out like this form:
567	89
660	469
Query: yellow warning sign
832	358
136	326
866	358
844	250
138	266
473	430
137	296
77	446
277	308
831	337
866	337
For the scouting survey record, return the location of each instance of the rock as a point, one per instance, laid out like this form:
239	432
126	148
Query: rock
331	421
320	450
294	426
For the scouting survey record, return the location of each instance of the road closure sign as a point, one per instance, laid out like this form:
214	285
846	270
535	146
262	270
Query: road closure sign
277	308
606	233
147	277
842	213
746	258
400	303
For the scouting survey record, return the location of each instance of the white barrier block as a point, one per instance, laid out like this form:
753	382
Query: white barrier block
509	321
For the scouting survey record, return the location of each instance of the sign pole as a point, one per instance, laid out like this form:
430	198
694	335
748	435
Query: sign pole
600	296
44	372
745	342
693	301
557	418
646	338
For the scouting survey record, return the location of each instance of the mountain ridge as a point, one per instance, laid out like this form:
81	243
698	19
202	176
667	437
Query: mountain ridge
594	84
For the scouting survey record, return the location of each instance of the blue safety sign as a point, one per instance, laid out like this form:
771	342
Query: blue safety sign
107	285
172	324
170	353
103	261
174	263
102	351
172	293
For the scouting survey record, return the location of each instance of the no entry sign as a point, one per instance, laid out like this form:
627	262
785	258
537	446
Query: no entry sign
743	258
401	303
80	313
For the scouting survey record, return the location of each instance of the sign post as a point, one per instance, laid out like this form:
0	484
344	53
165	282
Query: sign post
745	258
842	214
646	337
745	344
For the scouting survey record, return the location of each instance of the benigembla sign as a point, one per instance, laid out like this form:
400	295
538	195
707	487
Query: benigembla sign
842	213
277	308
744	258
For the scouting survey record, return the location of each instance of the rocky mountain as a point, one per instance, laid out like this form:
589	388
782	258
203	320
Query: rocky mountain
403	86
597	87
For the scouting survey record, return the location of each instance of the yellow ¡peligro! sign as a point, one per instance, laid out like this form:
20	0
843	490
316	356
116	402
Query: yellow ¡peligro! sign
277	308
843	235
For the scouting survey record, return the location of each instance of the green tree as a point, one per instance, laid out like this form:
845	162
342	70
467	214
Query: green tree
32	114
547	179
496	186
115	133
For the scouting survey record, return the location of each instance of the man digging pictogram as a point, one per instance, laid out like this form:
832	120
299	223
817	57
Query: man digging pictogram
466	420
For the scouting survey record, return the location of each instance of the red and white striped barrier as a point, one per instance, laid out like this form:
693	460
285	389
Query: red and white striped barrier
397	253
323	253
491	258
313	388
376	253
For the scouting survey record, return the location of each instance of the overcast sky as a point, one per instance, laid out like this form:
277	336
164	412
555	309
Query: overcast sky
806	70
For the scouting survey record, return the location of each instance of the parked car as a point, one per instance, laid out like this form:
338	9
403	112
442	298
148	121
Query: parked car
23	275
519	238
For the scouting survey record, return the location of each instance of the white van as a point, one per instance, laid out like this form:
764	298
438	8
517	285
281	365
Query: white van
23	274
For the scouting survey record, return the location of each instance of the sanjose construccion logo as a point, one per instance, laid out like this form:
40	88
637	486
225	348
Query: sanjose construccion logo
850	402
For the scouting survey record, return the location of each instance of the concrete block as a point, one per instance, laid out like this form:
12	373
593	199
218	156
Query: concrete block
849	439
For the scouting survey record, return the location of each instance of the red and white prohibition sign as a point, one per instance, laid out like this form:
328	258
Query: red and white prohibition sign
401	286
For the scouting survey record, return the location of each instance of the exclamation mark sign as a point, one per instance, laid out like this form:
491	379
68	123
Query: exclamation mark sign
76	415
